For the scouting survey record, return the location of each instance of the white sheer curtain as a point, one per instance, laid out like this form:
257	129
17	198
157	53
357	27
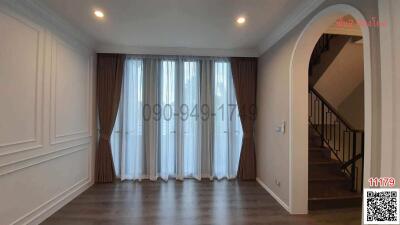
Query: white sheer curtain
177	118
165	111
127	137
227	126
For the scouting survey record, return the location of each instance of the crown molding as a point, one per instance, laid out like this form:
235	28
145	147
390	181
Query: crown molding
41	14
136	50
288	24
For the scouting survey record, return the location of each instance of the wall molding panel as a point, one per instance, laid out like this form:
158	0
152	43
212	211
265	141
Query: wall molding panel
45	210
55	138
41	158
35	140
46	139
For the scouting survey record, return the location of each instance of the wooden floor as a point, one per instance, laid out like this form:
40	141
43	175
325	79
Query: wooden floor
186	203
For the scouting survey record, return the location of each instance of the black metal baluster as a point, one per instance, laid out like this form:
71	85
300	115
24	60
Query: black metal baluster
322	125
344	144
330	126
339	135
348	149
334	134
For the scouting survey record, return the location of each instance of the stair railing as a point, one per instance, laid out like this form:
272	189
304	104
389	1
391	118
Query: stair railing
321	46
344	141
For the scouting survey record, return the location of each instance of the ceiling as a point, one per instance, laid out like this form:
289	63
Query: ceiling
208	24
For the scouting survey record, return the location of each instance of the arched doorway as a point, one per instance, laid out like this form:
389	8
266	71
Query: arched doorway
298	130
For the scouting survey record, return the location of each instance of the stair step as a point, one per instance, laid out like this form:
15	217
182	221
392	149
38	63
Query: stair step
313	133
325	162
328	186
325	189
314	162
314	143
319	154
327	175
327	178
334	202
318	148
327	167
314	136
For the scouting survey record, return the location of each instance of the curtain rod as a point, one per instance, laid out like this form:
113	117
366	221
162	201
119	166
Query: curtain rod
222	58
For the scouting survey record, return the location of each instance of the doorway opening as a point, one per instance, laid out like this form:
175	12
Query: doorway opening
336	117
299	107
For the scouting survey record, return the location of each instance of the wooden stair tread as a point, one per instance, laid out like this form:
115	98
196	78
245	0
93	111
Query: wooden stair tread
334	189
317	148
332	194
324	176
336	197
325	162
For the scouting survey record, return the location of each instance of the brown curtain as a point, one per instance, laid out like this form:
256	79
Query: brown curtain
110	69
244	73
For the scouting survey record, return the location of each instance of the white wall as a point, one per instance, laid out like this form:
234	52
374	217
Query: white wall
352	108
273	102
343	75
342	84
390	70
46	101
273	108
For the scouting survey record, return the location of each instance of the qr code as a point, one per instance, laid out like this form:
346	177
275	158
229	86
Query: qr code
381	206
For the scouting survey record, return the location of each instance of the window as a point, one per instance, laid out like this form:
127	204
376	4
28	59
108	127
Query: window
192	103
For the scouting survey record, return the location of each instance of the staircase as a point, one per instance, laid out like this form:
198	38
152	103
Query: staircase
336	149
328	186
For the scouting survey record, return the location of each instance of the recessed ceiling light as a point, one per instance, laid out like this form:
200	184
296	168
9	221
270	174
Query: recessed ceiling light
98	13
241	20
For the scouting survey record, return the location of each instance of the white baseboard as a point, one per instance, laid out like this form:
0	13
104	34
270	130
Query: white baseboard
48	208
282	203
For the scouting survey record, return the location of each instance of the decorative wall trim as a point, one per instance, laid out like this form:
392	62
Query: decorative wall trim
37	140
19	157
282	203
288	24
41	14
40	213
61	138
24	163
